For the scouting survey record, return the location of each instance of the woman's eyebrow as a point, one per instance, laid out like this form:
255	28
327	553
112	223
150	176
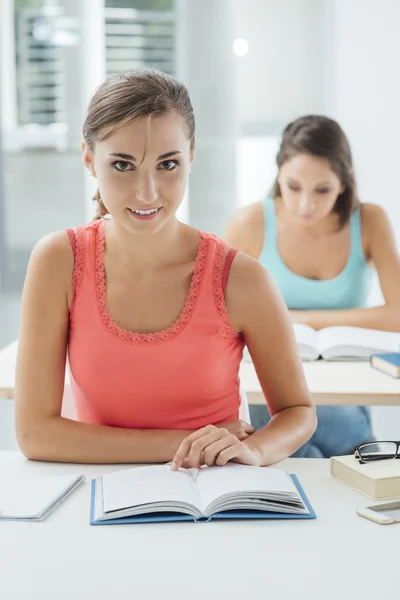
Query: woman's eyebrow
168	154
124	156
133	159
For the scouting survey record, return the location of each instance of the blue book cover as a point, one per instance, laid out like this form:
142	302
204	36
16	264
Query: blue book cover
392	360
245	514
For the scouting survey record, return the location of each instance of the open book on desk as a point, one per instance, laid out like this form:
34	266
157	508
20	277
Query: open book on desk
344	343
341	343
156	493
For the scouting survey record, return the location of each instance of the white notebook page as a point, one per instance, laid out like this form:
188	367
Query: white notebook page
213	482
143	485
307	340
357	337
26	497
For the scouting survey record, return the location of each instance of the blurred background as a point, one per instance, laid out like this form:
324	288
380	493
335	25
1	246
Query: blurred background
250	65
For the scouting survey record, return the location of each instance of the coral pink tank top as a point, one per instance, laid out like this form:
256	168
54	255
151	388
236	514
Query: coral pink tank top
184	377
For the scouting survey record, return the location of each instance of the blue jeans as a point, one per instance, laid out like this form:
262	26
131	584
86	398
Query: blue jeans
339	429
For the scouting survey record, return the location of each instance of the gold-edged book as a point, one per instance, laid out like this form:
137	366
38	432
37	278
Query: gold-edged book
376	480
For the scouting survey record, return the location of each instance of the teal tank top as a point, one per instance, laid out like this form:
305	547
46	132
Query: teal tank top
349	289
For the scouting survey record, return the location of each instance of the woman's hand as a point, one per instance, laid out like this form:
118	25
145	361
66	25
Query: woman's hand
211	446
239	428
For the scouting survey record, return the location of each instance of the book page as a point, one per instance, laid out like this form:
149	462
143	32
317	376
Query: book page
26	497
145	485
213	482
356	342
307	341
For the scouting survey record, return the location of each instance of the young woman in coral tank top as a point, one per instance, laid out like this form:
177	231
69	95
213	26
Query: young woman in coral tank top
151	315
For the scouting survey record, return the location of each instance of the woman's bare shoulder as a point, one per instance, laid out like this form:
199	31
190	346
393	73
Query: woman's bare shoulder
248	215
52	262
54	249
370	212
245	230
250	289
375	227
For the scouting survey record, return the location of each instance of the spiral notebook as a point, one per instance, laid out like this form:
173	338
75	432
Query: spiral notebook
33	498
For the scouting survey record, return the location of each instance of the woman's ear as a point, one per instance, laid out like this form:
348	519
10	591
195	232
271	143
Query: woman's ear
88	160
192	153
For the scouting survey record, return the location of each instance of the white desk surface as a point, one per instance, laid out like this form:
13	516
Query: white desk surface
329	382
8	357
338	555
335	383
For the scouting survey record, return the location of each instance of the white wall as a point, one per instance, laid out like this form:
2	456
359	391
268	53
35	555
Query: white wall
365	59
282	76
43	192
366	94
256	167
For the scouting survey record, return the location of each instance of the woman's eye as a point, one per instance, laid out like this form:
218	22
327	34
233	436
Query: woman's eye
122	165
323	191
169	165
294	189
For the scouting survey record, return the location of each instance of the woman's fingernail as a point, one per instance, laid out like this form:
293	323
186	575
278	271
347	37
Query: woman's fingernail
173	466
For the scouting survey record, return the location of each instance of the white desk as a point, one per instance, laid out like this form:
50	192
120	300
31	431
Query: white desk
8	357
335	383
329	382
325	559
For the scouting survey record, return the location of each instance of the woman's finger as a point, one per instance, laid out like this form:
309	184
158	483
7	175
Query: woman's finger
226	455
184	465
199	446
186	444
248	428
213	450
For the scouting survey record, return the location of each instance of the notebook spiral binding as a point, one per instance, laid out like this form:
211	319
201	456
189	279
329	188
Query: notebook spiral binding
67	491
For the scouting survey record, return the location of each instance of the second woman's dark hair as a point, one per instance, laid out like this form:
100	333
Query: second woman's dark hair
323	137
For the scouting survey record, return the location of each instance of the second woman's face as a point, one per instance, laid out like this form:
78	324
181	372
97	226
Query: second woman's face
309	188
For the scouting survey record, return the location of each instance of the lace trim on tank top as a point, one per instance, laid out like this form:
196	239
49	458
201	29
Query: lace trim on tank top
223	264
159	336
77	239
221	272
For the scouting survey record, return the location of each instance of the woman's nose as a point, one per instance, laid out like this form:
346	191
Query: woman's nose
307	203
146	189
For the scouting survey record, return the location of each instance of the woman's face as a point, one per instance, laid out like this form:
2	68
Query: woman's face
309	188
142	171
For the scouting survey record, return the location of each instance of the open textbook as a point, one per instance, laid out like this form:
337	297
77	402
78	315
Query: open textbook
344	343
156	493
341	343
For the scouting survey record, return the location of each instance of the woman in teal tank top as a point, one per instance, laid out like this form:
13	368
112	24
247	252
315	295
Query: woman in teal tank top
316	239
349	289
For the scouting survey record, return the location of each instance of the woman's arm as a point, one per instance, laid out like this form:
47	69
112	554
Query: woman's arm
257	310
383	253
41	431
245	230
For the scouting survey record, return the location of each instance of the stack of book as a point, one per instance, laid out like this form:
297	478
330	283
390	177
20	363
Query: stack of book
379	480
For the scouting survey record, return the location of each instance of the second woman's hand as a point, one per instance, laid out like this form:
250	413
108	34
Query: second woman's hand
211	446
